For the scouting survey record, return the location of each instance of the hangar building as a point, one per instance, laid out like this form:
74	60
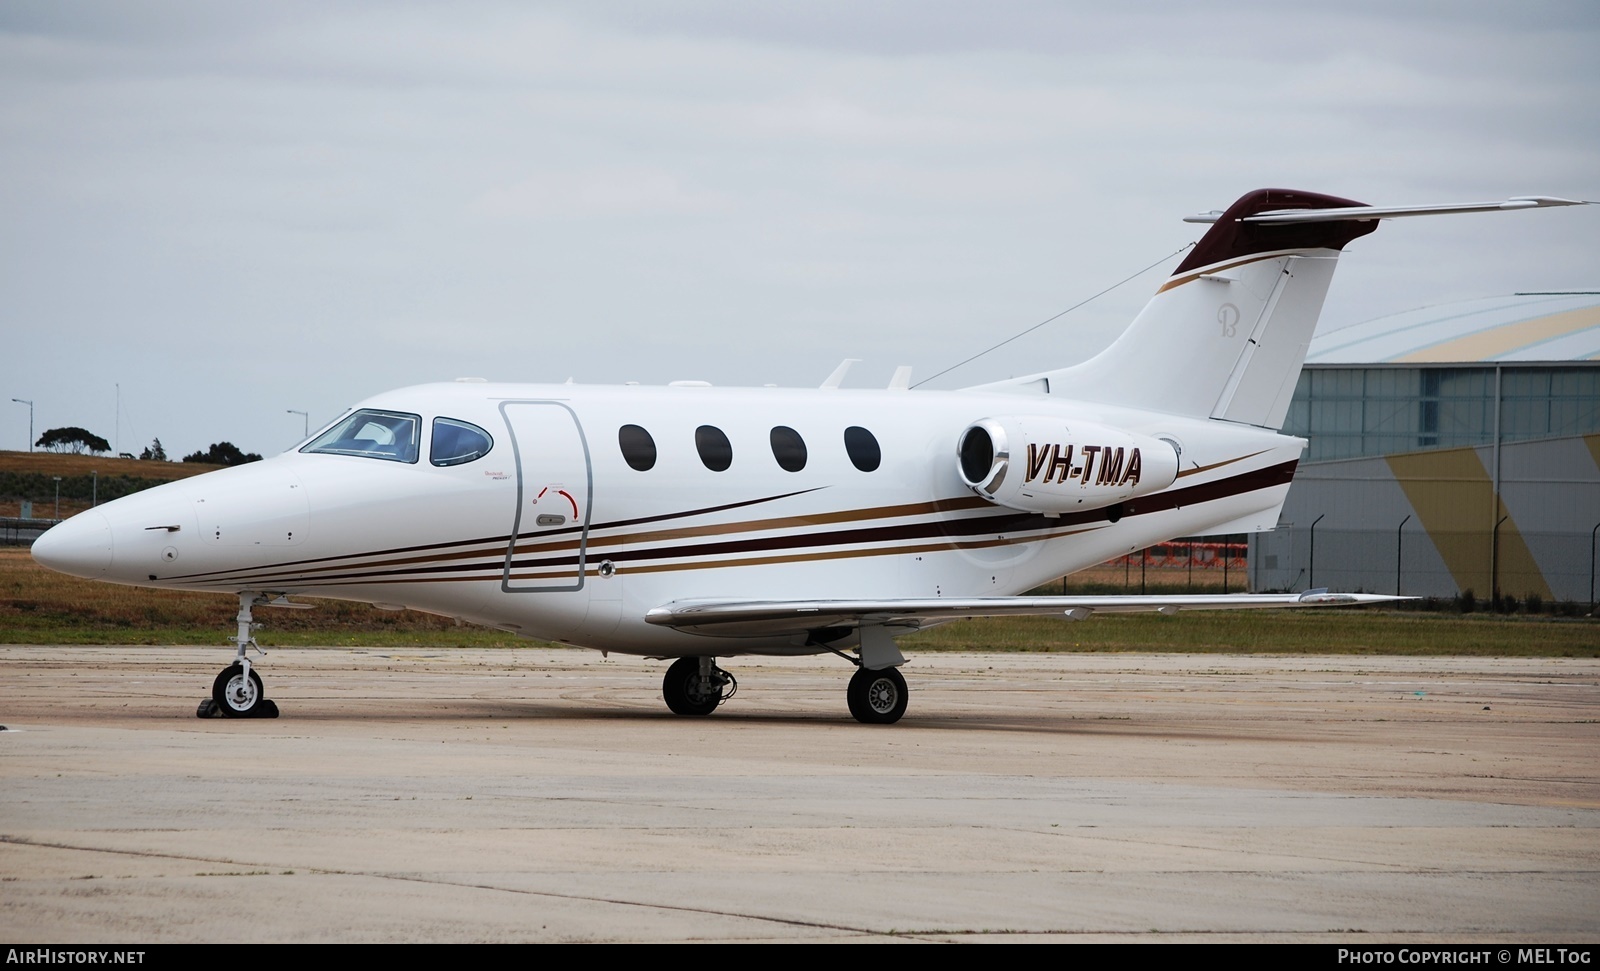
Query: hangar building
1453	448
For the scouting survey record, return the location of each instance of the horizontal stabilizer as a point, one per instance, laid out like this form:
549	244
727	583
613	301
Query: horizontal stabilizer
1285	216
765	618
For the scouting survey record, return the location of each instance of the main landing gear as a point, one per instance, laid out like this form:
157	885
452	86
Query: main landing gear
877	693
696	686
237	692
877	697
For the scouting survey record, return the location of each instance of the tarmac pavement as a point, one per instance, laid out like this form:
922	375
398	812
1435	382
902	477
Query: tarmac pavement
543	795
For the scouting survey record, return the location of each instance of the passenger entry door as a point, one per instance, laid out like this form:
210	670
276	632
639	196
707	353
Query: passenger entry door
555	487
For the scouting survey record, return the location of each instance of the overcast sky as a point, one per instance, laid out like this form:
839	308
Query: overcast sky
232	210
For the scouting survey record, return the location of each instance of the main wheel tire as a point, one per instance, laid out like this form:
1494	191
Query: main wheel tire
877	697
683	691
237	696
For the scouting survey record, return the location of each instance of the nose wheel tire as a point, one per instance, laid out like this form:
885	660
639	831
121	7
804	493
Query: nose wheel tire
877	697
236	695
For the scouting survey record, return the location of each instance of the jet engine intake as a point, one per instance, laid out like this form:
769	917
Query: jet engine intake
1053	466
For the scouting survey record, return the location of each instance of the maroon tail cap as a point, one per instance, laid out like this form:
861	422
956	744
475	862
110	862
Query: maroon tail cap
1229	238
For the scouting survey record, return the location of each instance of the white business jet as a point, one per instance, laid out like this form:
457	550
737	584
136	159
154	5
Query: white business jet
695	523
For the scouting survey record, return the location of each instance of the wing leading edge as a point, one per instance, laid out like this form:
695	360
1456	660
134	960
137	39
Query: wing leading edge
766	618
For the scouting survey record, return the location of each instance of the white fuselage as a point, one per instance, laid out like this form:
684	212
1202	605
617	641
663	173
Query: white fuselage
697	522
598	543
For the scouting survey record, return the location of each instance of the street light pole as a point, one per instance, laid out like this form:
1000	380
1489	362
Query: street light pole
30	420
306	421
58	499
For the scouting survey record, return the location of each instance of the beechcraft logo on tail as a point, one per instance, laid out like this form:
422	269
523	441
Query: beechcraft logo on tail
1105	464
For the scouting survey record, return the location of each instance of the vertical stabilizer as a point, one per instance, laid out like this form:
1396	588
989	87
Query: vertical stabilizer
1226	335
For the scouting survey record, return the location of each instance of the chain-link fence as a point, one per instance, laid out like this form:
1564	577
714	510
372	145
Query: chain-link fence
1411	561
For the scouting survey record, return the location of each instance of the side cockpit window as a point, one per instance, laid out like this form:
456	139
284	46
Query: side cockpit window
371	434
457	442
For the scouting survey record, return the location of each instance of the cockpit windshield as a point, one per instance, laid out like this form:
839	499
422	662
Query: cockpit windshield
372	434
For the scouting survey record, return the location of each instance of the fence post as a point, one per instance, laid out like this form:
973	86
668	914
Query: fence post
1399	535
1225	558
1494	563
1591	566
1311	582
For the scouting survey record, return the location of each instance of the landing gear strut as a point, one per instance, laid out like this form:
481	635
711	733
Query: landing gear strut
237	692
696	686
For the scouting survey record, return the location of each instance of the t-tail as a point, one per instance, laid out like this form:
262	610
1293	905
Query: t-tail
1225	336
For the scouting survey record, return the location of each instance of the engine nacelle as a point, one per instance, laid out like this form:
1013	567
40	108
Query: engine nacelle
1054	466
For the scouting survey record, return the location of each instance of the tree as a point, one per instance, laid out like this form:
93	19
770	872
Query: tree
223	453
154	452
74	440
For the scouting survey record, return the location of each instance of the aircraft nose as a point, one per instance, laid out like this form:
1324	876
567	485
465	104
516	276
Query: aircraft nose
80	546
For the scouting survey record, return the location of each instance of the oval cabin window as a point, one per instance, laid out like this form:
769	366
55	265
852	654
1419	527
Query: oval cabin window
862	448
714	448
788	448
638	448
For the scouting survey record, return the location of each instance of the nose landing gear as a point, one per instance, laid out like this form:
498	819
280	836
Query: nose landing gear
237	692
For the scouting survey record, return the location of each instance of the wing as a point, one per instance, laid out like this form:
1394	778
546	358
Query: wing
766	618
